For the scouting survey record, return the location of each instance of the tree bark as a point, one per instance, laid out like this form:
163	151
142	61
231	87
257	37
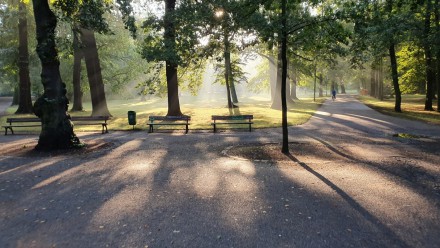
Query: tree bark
430	77
227	56
57	129
437	24
285	147
233	91
91	57
321	92
171	64
276	103
77	91
24	100
294	82
395	77
372	80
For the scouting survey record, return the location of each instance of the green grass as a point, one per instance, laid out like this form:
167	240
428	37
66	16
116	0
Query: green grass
412	108
200	113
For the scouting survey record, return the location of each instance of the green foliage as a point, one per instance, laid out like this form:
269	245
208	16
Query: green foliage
9	49
260	82
412	68
238	75
184	52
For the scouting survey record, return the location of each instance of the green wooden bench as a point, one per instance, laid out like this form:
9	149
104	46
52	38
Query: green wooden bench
232	120
21	122
155	120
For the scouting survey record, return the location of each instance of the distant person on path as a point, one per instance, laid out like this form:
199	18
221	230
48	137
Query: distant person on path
333	94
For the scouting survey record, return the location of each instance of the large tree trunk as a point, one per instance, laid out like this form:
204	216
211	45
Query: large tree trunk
233	91
77	91
230	89
430	77
437	24
24	100
380	79
373	78
285	147
171	66
227	56
321	84
294	82
57	129
395	77
90	51
276	103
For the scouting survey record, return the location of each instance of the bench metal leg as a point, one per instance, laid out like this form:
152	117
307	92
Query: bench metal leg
250	127
6	130
186	128
214	128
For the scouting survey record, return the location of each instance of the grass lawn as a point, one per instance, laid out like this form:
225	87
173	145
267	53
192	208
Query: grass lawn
412	108
199	111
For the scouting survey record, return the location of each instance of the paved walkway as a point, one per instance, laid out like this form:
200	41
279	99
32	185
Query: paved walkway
348	183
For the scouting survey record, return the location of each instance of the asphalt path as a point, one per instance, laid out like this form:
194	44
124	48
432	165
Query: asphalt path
355	186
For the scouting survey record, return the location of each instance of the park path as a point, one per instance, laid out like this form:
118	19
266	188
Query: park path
347	183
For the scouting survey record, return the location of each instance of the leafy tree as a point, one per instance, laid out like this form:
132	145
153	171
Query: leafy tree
412	68
15	59
86	18
171	39
8	48
379	27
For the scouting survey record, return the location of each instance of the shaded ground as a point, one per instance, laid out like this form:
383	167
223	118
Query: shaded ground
347	183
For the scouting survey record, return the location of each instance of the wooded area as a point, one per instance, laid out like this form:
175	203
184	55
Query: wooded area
380	48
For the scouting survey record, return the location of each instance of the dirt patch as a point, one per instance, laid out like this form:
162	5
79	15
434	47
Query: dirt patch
27	149
272	151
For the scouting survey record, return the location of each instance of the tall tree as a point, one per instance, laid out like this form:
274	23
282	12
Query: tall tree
171	39
285	147
57	129
88	15
25	101
437	26
76	80
171	65
93	66
430	73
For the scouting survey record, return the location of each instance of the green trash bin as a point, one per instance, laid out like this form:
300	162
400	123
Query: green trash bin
132	118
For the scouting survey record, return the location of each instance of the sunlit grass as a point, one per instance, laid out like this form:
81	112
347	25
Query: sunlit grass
199	111
412	108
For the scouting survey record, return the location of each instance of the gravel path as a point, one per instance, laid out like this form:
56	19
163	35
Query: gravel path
347	183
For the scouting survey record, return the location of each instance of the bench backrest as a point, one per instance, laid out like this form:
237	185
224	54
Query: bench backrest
90	118
73	118
23	119
232	117
169	118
